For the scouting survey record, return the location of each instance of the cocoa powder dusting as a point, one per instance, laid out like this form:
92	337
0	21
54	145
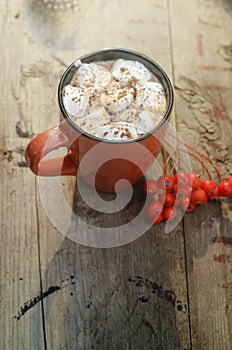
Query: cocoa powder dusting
131	86
128	133
122	94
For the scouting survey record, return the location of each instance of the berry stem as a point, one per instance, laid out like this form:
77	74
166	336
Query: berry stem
167	161
173	168
164	152
204	167
184	163
191	154
201	154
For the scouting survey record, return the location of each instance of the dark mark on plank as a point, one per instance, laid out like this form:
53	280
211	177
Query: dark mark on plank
32	302
7	154
22	164
143	299
222	239
89	305
225	285
222	258
155	288
218	112
21	133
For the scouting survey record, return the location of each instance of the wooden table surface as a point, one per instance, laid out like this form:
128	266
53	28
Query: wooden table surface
161	291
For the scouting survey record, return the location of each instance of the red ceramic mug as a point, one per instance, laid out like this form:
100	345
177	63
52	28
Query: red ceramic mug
101	163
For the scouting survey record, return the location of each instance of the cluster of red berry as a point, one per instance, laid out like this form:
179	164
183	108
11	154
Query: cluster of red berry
182	192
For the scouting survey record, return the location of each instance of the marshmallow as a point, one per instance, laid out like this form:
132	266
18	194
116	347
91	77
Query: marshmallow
98	117
117	98
75	100
114	101
151	96
146	121
127	115
127	71
92	76
120	131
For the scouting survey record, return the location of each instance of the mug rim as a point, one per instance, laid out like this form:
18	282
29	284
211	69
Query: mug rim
130	52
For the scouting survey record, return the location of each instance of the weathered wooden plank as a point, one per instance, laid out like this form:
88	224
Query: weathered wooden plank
101	317
96	305
202	74
209	277
19	272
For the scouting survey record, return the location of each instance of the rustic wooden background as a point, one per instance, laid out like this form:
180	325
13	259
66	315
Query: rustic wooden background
161	291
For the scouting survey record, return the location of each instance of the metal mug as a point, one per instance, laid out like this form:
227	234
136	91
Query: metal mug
108	161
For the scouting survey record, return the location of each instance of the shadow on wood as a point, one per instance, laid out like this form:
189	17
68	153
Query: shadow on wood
116	298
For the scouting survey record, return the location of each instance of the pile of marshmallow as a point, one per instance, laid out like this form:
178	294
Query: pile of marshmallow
120	101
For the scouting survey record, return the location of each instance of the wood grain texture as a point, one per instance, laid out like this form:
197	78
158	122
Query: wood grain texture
133	296
203	82
19	272
203	77
160	291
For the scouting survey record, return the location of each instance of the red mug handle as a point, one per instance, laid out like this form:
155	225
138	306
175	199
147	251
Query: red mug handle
41	145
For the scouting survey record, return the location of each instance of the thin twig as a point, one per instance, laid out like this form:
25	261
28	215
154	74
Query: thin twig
191	154
201	154
167	161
